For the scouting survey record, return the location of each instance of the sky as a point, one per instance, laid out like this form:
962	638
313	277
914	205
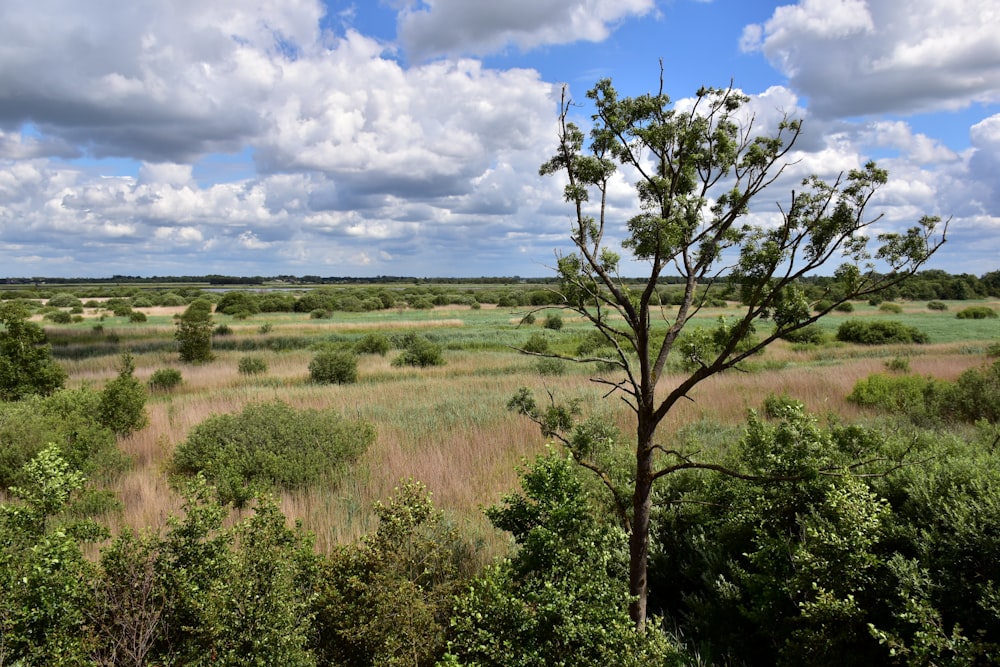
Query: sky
403	137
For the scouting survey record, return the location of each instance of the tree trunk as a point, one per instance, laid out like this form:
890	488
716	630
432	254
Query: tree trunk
642	503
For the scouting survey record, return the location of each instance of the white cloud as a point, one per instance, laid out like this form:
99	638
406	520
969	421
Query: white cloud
430	28
856	57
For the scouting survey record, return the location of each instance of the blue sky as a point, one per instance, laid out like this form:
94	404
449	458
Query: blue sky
403	137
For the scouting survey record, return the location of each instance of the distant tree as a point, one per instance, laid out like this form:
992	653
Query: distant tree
26	365
696	171
194	332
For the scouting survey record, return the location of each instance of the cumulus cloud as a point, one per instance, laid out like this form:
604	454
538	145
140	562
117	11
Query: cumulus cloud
430	28
858	57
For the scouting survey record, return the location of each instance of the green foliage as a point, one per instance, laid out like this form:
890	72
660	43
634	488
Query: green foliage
561	598
889	307
388	600
334	367
59	317
251	365
26	365
68	419
165	379
898	365
123	401
993	350
845	307
320	314
419	351
553	321
879	332
550	367
536	343
194	332
976	313
271	445
222	330
937	305
811	334
43	574
137	317
373	343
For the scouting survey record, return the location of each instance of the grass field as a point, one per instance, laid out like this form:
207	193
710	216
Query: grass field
447	426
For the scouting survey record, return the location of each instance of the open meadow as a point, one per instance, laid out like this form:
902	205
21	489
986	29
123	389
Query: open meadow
448	426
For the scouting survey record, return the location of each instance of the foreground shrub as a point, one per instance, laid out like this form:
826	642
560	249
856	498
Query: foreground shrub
334	367
879	332
387	600
271	446
165	379
26	365
976	313
419	351
194	332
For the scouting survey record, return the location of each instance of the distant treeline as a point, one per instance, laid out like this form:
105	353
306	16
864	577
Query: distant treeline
313	293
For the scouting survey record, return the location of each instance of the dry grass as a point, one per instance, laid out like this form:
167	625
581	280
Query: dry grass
446	426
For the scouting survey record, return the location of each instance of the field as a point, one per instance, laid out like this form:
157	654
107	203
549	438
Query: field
447	426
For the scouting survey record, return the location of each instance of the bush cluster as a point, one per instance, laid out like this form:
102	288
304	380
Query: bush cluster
419	351
976	313
334	367
879	332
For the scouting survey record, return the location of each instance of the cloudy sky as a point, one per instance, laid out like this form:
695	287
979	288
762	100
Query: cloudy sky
403	137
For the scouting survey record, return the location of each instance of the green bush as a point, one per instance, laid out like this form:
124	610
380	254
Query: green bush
194	332
271	446
320	314
537	344
252	365
137	317
373	343
553	321
165	379
334	367
810	334
845	307
879	332
26	365
123	401
889	307
419	351
549	366
937	305
976	313
822	305
904	394
898	365
993	350
59	317
222	330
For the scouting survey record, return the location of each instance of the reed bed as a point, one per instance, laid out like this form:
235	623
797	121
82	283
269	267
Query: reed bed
448	426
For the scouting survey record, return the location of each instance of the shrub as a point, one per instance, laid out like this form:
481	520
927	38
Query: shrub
165	379
194	332
265	328
879	332
320	314
528	319
976	395
123	401
811	334
136	316
553	321
222	330
976	313
536	343
845	307
993	350
252	366
59	317
373	343
26	365
419	351
898	364
550	366
937	305
822	305
63	300
271	446
334	367
889	307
